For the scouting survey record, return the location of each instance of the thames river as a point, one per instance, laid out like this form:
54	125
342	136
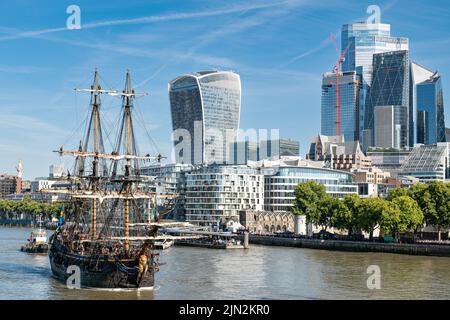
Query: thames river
258	273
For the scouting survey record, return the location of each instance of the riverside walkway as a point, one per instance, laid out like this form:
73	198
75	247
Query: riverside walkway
440	250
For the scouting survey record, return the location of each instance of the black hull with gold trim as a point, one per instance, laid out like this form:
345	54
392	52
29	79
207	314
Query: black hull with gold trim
99	271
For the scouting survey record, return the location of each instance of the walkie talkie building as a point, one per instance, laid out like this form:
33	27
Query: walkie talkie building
205	109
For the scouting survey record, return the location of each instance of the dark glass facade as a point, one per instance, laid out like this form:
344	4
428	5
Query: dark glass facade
430	111
349	105
390	87
365	40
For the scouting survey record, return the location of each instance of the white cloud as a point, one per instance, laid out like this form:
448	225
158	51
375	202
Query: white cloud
147	19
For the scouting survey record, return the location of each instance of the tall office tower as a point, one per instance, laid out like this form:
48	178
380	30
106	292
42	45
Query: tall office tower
349	105
367	39
418	75
390	125
430	111
390	87
205	109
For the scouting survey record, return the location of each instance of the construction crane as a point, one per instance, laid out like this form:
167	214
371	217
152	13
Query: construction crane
337	70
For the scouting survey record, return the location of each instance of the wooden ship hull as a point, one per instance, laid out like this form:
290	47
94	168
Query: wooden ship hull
99	271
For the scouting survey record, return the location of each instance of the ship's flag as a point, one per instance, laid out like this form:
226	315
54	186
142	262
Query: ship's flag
61	217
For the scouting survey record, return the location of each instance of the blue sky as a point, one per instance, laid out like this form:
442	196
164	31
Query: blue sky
280	49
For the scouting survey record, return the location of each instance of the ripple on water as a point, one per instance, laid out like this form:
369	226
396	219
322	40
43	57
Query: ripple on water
258	273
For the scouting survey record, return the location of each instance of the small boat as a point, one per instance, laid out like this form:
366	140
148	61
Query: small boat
211	243
37	242
165	244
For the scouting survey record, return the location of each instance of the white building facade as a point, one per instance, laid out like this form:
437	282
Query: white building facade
215	194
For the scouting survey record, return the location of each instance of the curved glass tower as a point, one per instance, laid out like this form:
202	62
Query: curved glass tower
206	106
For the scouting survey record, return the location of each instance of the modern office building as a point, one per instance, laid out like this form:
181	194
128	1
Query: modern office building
418	74
246	151
390	87
216	193
276	148
430	111
349	105
390	123
428	163
389	160
280	183
170	179
447	134
205	108
367	39
39	184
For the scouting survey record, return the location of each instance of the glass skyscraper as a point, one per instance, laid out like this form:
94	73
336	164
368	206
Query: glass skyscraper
367	39
390	87
430	111
349	105
206	106
418	75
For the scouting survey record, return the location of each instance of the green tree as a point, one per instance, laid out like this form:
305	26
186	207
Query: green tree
370	214
411	216
312	201
390	219
438	210
352	202
341	216
397	192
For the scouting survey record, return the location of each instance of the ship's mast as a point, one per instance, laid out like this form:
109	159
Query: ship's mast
127	113
126	135
94	129
120	187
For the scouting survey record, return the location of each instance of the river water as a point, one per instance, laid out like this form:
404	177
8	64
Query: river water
258	273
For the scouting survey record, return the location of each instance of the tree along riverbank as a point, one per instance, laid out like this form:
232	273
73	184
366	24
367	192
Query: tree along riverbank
30	213
404	210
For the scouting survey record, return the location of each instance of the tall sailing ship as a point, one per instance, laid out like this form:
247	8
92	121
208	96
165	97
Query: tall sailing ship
107	230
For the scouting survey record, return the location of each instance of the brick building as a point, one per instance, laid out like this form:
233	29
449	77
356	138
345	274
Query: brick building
9	185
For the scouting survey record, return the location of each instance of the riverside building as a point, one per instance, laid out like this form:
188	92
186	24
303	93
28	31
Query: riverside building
216	193
282	177
170	179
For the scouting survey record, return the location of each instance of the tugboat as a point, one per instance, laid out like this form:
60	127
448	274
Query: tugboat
105	231
37	242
